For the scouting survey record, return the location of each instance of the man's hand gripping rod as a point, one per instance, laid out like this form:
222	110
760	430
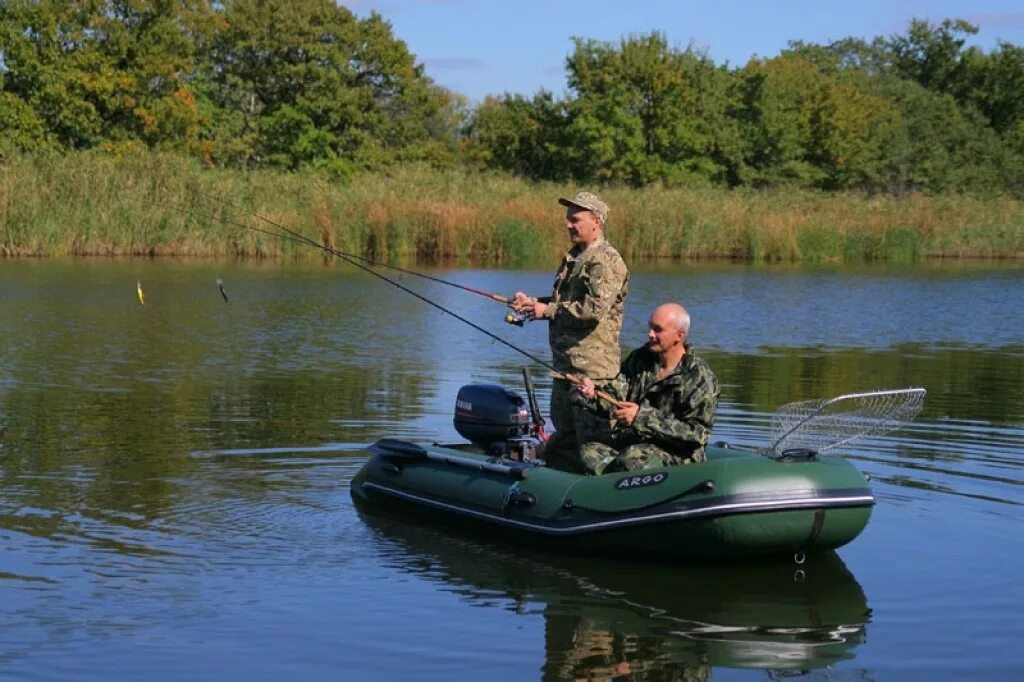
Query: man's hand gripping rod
573	379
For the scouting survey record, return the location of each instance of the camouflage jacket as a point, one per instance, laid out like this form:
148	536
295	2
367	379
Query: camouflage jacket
585	311
676	413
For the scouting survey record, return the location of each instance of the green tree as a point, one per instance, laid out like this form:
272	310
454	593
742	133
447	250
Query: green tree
932	55
644	112
948	106
20	126
846	54
93	71
850	128
305	82
995	85
773	107
524	137
807	119
938	146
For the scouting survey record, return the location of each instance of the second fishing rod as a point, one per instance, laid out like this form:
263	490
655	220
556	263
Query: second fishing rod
512	317
364	264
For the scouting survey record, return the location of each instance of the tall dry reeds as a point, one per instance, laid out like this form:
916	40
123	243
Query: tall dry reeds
158	204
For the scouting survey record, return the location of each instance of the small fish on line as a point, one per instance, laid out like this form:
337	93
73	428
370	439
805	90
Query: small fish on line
223	291
138	290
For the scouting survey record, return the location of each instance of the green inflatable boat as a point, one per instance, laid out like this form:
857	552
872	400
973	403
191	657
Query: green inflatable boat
742	502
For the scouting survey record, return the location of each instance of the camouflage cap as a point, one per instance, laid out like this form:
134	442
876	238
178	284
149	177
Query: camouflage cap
590	202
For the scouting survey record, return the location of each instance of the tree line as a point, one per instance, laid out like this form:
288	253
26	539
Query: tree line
307	84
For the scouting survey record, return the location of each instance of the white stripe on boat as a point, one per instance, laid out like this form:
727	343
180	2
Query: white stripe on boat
736	507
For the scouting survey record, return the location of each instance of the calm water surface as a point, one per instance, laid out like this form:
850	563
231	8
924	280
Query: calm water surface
174	498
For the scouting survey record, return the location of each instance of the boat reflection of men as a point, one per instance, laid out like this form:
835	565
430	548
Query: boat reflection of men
667	397
585	318
585	651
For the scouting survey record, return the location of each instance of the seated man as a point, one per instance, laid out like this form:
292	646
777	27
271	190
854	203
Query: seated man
667	397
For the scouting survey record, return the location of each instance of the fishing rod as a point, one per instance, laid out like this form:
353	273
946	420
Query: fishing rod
369	261
293	236
515	317
299	238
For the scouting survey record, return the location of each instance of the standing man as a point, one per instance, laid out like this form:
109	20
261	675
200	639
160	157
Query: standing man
585	316
667	398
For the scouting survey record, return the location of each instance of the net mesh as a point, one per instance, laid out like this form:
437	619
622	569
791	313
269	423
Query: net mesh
823	425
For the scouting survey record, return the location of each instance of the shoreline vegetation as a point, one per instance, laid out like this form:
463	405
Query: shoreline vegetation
153	204
129	129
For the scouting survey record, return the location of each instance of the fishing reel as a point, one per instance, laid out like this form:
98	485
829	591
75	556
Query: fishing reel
518	319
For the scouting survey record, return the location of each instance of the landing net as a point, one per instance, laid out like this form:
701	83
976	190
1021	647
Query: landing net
823	425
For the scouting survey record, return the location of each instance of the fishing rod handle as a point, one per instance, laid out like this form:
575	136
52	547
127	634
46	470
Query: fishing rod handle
573	379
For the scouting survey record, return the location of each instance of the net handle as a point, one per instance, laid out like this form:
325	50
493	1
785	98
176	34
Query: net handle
840	398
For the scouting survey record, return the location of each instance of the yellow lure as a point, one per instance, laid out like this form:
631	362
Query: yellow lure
138	290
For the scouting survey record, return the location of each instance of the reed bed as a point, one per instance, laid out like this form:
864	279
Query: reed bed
92	204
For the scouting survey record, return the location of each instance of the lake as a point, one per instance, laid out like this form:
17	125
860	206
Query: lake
175	506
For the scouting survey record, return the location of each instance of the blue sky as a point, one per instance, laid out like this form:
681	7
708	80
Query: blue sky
481	47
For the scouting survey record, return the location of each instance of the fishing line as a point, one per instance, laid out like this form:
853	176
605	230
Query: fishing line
369	261
354	260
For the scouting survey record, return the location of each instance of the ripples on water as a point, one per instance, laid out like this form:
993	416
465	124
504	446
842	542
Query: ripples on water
174	500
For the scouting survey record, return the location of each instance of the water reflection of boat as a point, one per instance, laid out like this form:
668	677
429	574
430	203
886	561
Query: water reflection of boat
605	618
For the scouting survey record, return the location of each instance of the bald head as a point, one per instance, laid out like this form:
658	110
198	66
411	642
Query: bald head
672	315
667	330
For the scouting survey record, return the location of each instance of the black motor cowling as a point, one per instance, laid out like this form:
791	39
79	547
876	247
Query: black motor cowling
488	415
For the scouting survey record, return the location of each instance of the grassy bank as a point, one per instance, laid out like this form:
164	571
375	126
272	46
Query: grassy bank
92	204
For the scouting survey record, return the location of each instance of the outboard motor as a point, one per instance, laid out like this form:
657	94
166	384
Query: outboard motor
495	419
